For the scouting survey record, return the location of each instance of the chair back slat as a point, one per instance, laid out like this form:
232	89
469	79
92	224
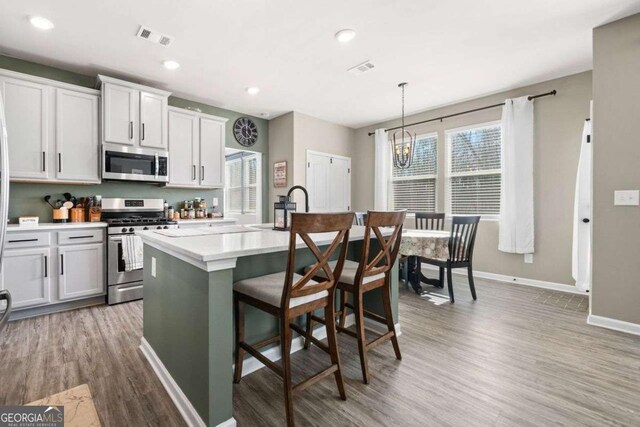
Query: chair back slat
463	237
430	221
361	218
383	260
302	225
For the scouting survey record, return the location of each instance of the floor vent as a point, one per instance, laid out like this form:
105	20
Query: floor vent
154	36
366	66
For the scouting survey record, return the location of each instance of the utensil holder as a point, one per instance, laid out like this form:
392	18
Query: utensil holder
77	214
60	215
95	214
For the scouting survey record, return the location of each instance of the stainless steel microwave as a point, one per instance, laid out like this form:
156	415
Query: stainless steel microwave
134	164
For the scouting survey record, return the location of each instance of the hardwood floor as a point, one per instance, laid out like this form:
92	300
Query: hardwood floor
517	356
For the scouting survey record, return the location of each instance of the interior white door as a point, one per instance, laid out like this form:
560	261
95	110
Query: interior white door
27	120
211	153
26	274
120	114
340	184
183	149
153	127
328	182
77	147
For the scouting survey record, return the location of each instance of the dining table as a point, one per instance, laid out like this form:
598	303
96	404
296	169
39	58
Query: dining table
417	244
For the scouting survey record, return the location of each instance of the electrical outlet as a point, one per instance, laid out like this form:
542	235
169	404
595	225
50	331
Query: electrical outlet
153	266
626	198
528	258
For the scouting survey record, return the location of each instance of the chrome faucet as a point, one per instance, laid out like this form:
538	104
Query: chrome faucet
306	195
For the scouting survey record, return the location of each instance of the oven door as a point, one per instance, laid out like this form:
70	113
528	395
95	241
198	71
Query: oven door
134	164
116	274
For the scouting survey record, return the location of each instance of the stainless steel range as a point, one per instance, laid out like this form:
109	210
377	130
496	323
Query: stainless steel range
125	217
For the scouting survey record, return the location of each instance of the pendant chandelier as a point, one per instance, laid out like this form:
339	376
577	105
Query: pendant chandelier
403	142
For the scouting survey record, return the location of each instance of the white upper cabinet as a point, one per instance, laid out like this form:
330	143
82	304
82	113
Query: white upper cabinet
183	148
27	120
120	104
134	114
77	147
196	149
153	120
52	128
211	152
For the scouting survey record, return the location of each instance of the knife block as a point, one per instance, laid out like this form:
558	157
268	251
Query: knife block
60	215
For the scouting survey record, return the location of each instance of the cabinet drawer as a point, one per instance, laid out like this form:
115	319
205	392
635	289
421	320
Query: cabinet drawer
27	240
78	237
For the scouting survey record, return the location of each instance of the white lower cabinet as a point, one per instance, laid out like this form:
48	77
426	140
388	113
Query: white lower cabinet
81	271
26	273
55	268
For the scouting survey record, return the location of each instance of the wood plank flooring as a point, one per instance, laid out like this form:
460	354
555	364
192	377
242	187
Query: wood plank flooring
517	356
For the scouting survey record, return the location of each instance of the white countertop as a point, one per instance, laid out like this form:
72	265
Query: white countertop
216	252
207	221
55	226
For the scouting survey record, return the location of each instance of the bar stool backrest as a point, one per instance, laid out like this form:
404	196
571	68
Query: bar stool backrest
303	224
382	261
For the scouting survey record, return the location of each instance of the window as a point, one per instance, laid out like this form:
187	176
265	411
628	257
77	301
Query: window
414	188
241	183
474	170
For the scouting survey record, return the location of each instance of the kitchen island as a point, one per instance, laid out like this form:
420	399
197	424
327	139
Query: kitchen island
188	309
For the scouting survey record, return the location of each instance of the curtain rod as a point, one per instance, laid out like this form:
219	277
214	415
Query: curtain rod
553	92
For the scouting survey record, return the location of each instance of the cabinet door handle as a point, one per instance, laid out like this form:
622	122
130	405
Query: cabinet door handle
194	173
143	131
59	162
46	266
202	174
62	264
23	240
130	130
44	161
80	237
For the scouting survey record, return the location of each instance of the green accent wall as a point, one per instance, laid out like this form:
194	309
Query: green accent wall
27	199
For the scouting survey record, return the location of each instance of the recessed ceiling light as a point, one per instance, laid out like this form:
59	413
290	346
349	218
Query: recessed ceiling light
253	90
170	64
41	23
345	36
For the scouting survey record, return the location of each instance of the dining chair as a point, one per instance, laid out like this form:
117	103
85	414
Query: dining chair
424	221
361	218
461	243
288	295
373	271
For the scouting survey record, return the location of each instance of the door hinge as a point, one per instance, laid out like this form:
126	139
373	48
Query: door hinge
349	170
308	164
588	139
331	160
348	208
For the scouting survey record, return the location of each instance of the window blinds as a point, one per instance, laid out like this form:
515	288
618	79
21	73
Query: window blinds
414	188
474	171
241	183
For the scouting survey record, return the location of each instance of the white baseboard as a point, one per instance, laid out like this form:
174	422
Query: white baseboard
181	401
516	280
616	325
251	364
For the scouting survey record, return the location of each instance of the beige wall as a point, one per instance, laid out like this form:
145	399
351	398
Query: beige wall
291	135
558	129
616	229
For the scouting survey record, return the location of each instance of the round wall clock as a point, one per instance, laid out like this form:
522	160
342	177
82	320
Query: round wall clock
245	131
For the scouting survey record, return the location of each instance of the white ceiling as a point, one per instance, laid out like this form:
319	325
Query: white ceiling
446	50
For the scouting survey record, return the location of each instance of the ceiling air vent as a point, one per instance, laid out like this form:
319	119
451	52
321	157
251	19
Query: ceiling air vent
154	36
362	68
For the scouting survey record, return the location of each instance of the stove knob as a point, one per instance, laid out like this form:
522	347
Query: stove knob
131	230
159	227
146	228
124	229
165	227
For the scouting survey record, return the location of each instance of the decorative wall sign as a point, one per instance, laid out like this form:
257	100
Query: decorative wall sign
280	174
245	131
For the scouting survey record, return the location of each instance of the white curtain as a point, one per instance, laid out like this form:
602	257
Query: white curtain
382	171
516	201
581	266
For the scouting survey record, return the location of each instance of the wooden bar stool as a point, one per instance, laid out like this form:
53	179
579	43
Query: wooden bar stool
358	278
288	295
